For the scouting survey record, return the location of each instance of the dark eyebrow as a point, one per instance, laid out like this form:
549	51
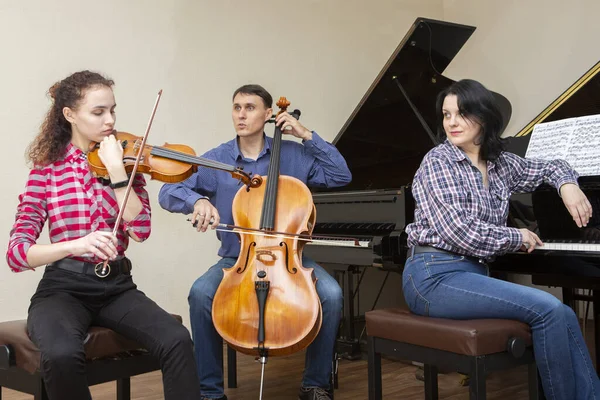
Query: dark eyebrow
102	106
245	104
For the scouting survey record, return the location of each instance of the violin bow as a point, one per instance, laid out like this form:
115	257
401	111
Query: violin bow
102	269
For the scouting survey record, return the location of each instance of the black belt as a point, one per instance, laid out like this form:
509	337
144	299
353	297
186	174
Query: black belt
122	266
430	249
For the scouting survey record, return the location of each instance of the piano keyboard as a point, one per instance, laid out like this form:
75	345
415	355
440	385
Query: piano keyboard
565	246
336	242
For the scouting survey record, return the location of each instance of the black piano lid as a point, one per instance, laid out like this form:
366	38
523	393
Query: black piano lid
383	141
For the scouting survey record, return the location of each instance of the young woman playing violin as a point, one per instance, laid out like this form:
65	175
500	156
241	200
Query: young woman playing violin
208	195
81	211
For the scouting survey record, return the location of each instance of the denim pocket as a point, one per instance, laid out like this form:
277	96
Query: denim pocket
442	258
416	303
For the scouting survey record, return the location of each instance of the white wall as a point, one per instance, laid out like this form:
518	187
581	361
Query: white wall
530	51
321	55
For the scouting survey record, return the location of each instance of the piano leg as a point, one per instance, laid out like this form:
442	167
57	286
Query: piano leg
568	296
596	305
348	345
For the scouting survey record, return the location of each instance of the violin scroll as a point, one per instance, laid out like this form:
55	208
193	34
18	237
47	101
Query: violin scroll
250	181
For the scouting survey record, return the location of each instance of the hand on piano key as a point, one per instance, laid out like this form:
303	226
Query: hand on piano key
530	240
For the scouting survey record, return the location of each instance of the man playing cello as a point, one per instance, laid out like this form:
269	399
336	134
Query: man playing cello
208	196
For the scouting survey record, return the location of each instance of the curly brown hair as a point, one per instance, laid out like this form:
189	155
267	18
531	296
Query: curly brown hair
55	132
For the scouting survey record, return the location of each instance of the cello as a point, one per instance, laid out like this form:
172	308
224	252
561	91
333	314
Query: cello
267	303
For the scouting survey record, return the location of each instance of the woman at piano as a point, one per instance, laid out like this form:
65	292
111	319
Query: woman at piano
461	192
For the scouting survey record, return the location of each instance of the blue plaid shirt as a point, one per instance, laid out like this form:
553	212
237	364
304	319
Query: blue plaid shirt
315	162
454	211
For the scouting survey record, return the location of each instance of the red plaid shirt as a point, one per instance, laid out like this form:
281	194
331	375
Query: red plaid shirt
76	204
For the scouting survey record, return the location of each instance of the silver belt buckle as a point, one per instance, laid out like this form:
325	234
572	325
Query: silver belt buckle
100	271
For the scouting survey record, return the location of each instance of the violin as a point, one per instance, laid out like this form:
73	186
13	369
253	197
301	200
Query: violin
267	303
168	163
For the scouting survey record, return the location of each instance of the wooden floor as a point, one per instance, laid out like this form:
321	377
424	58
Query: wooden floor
283	379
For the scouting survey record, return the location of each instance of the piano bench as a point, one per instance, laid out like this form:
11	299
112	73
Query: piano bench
472	347
110	357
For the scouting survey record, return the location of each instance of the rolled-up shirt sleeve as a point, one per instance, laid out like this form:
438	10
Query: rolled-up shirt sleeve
524	175
29	221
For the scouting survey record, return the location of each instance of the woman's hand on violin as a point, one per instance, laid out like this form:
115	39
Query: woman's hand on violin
291	125
111	154
577	203
204	212
102	244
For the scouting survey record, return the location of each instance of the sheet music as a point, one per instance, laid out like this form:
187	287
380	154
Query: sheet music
576	140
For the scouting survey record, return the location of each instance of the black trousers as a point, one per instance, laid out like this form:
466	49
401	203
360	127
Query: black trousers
67	303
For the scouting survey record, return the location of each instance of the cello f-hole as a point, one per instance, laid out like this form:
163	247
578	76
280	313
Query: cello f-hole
287	259
240	270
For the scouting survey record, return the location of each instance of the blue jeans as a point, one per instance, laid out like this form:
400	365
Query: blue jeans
450	286
208	345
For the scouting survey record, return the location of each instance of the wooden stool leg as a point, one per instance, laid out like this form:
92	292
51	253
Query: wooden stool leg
333	379
123	389
477	379
374	366
40	393
336	362
536	392
431	382
231	368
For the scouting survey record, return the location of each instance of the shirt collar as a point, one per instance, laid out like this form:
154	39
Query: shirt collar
457	154
237	154
73	153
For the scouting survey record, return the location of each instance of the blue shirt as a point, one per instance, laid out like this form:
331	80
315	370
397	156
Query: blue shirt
315	162
454	210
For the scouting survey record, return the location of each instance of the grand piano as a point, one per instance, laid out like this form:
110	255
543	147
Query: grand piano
570	257
384	141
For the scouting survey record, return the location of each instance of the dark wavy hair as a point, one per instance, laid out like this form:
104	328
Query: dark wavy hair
478	105
55	132
256	90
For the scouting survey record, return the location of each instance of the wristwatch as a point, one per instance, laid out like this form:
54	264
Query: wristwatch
120	184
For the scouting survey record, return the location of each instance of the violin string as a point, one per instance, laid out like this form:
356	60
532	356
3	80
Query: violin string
179	156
